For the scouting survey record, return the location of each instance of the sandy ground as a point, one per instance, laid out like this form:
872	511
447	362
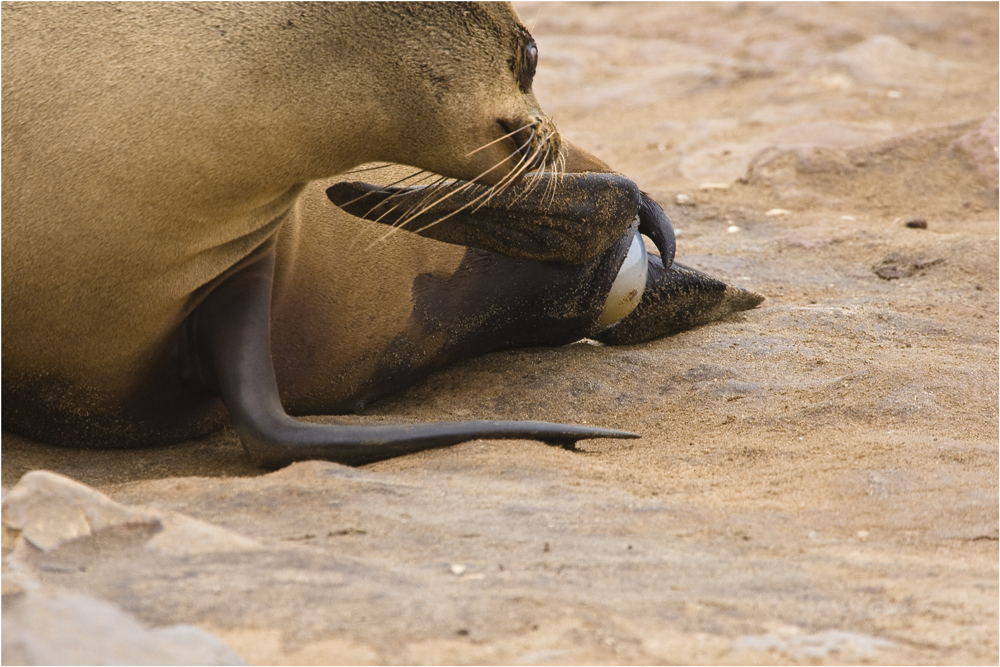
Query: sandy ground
817	478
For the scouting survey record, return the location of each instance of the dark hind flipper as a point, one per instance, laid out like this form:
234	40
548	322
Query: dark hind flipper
226	348
675	300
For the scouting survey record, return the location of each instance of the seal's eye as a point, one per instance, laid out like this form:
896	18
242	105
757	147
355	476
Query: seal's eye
524	60
531	51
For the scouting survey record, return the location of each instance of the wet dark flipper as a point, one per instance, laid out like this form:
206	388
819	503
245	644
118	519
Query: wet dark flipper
565	218
675	300
226	349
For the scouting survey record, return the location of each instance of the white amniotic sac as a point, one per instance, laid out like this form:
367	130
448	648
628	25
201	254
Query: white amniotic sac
627	289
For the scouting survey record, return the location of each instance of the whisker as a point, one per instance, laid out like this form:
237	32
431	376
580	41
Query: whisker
458	210
429	190
511	175
528	161
398	204
417	213
430	206
531	124
537	174
532	158
430	186
535	19
533	178
364	169
558	164
386	187
533	183
427	174
536	178
560	173
460	189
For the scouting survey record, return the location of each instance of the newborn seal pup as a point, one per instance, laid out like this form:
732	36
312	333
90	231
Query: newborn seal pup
156	231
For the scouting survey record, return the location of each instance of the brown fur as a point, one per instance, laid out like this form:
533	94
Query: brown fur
149	148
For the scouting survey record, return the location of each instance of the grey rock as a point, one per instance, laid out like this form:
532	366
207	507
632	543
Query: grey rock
62	628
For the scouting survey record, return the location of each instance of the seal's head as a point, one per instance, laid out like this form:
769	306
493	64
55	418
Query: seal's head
460	77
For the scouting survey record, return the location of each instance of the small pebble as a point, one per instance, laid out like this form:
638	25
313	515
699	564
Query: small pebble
714	186
894	95
684	200
458	570
892	271
849	218
917	223
777	212
732	229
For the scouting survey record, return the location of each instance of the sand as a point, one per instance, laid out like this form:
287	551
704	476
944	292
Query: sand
817	478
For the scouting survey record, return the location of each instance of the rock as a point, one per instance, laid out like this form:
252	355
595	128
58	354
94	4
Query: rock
61	628
780	167
883	60
716	164
894	172
813	646
916	223
897	266
830	134
48	510
980	145
184	536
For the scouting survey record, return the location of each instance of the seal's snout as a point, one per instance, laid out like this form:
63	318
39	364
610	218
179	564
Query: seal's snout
535	145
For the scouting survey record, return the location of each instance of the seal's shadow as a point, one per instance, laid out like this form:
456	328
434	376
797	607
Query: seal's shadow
217	455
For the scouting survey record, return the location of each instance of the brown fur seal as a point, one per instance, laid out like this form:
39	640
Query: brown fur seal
155	160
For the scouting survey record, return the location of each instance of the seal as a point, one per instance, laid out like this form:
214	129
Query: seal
169	265
155	152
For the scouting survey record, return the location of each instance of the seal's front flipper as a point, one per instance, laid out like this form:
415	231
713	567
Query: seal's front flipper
565	218
226	348
677	299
